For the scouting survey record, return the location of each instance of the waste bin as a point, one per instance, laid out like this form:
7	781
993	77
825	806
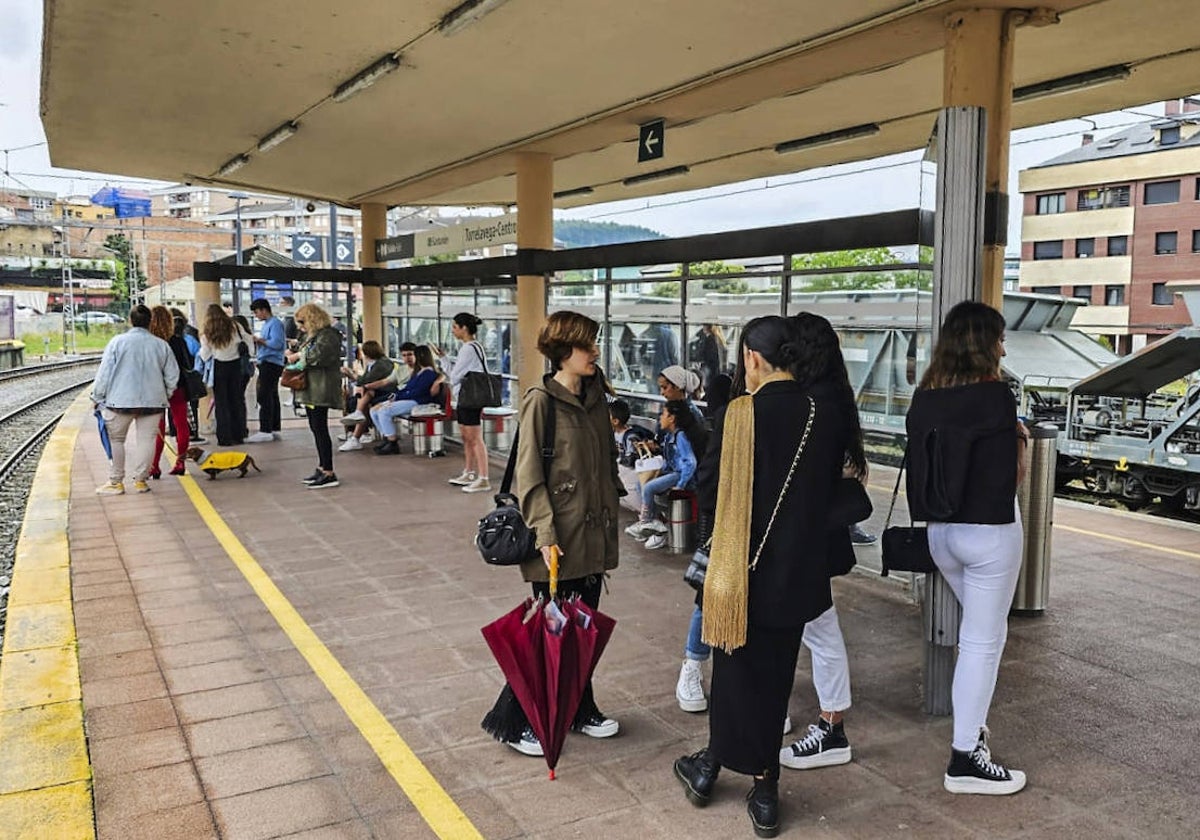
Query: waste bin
498	425
681	520
1036	498
427	436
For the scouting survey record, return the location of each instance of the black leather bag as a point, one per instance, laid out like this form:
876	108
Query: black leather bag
479	389
694	574
905	549
503	538
193	384
850	503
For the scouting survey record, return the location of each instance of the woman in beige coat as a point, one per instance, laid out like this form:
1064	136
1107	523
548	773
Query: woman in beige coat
574	507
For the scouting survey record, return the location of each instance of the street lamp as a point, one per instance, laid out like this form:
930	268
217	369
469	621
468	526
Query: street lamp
237	225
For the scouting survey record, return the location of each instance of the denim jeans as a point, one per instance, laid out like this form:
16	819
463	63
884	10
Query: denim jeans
661	484
695	647
384	415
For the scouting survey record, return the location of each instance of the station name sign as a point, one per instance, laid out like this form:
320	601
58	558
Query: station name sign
482	233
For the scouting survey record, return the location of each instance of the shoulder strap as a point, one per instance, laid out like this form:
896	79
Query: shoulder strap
787	482
547	451
479	352
896	490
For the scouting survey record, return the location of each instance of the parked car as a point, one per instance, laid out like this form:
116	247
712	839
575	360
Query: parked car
96	318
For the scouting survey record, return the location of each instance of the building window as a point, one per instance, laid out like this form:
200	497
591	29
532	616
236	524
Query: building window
1053	203
1085	247
1160	295
1046	290
1082	293
1118	246
1050	250
1114	295
1166	242
1103	197
1168	136
1162	192
1196	242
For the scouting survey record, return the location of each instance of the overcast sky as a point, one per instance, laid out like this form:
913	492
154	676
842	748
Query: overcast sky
868	187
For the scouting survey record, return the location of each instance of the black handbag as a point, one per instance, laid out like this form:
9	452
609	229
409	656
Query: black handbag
905	549
503	538
479	389
193	385
247	365
850	503
694	574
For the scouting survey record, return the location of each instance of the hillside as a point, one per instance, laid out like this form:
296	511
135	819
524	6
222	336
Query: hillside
577	233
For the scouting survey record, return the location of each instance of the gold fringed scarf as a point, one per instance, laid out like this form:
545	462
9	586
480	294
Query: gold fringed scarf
727	581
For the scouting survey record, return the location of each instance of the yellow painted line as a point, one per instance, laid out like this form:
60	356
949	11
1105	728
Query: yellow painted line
45	776
437	808
1179	552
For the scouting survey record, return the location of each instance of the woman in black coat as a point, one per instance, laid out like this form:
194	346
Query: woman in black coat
776	455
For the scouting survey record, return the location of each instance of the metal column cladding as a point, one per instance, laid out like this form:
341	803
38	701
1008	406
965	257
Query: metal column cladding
958	232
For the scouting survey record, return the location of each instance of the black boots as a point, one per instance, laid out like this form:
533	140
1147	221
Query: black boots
698	773
762	803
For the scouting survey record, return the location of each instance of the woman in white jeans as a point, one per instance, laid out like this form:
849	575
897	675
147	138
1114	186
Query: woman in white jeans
965	452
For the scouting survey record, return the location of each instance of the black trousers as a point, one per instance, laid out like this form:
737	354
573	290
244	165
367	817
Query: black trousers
318	424
749	698
268	396
230	394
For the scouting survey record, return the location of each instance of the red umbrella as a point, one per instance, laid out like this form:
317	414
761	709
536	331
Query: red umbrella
548	652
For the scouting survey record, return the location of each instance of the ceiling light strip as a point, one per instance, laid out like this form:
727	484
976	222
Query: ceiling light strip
842	135
574	192
364	79
466	13
232	165
658	175
279	135
1076	81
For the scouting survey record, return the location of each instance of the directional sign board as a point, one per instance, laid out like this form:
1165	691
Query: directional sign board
395	248
308	249
651	138
345	250
453	239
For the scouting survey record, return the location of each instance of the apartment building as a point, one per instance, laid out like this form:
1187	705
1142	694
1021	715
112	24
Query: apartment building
1115	223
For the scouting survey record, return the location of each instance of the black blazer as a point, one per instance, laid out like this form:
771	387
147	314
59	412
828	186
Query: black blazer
791	584
962	454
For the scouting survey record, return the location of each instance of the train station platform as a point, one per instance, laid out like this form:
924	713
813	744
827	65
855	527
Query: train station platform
256	659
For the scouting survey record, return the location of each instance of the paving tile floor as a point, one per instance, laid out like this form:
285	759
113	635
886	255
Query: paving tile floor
204	721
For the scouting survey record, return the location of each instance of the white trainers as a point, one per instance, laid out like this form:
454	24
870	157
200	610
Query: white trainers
352	444
640	530
656	526
479	485
355	416
112	488
464	479
599	726
689	691
656	541
260	437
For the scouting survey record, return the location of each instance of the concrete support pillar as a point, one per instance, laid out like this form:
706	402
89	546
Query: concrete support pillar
978	71
206	293
374	226
535	230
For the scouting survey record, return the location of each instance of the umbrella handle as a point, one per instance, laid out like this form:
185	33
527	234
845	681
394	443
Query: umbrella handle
554	571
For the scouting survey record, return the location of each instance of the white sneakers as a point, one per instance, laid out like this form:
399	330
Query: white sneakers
352	444
463	479
656	541
479	485
261	437
643	529
689	691
355	416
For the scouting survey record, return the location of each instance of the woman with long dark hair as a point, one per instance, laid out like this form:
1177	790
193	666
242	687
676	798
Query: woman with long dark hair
768	475
822	367
470	358
965	455
320	357
220	341
170	330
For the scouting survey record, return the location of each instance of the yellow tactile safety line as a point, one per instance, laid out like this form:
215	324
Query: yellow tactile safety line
437	808
45	777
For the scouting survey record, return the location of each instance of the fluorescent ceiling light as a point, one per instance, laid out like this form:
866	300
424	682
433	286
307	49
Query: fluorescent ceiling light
232	165
277	136
574	192
656	176
1077	81
367	77
466	13
842	135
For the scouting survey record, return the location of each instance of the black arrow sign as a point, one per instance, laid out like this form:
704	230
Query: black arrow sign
651	137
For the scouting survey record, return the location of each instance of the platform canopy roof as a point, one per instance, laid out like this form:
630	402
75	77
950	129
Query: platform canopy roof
176	91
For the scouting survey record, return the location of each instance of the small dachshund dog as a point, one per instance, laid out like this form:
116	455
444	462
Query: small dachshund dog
219	462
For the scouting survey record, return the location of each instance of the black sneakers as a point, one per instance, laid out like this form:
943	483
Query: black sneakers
824	746
975	772
326	480
315	475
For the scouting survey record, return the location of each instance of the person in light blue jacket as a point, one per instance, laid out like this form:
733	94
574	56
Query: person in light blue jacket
137	374
681	439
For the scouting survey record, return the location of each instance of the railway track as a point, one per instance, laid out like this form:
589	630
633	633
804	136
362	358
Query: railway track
34	370
23	433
